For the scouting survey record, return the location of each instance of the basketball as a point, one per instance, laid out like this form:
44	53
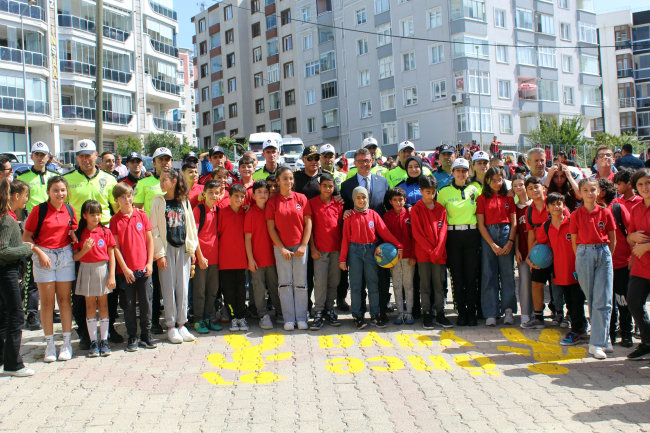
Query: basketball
386	255
542	256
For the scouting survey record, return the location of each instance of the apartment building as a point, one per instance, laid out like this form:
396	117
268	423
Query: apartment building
246	70
185	113
140	63
625	62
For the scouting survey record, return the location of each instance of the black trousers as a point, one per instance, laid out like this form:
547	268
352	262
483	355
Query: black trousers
142	289
344	286
233	284
114	297
620	310
155	295
463	260
384	288
12	317
574	298
637	293
30	294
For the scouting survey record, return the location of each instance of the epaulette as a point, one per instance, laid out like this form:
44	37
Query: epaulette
22	171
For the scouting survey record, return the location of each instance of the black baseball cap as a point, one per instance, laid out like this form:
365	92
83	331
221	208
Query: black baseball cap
447	148
216	149
309	151
133	155
189	155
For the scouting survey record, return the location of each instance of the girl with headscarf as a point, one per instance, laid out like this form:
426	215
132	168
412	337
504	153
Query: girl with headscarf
412	183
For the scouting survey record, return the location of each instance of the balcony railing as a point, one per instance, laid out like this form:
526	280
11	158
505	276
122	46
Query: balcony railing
623	45
79	68
628	130
15	8
626	102
467	9
167	125
117	76
164	48
625	73
16	56
85	113
642	102
641	74
162	10
166	87
643	131
641	45
18	104
90	27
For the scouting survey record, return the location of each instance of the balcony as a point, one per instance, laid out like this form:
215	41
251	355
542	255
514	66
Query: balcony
15	8
643	131
628	130
626	102
164	48
16	56
642	74
117	76
624	45
78	68
641	45
162	10
167	125
18	104
84	25
642	102
85	113
163	86
625	73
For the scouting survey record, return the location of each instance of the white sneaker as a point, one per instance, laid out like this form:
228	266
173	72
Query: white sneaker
185	334
265	322
50	353
65	354
525	319
23	372
174	336
491	321
243	326
609	348
598	352
288	326
509	320
303	326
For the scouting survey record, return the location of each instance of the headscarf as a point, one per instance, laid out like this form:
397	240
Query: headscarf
355	192
411	180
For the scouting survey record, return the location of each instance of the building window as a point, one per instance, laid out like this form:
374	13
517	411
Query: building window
366	109
255	29
255	6
438	90
230	36
290	97
381	6
276	126
325	34
587	33
361	16
230	60
389	132
260	128
366	134
547	90
287	43
566	64
409	61
288	70
217	89
204	70
504	89
590	95
547	57
545	24
272	47
306	14
327	61
259	106
227	13
471	81
206	118
271	22
500	18
215	64
362	46
434	18
257	54
410	96
274	73
202	25
306	42
232	111
413	130
472	9
217	114
565	31
274	101
311	96
234	132
468	119
215	41
292	127
437	54
387	99
524	19
526	55
312	68
622	33
628	120
311	124
383	34
232	85
406	26
464	47
205	94
563	4
364	78
203	48
331	118
329	90
385	67
258	80
585	5
285	17
505	123
567	95
180	75
502	54
589	64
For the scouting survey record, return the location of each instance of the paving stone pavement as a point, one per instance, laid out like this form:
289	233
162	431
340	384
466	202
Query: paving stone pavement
397	379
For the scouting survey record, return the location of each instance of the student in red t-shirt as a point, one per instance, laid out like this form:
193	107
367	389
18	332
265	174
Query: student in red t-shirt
290	228
497	221
521	248
564	265
232	257
360	231
205	284
191	172
594	240
325	248
134	254
246	169
639	287
261	261
96	277
622	180
223	197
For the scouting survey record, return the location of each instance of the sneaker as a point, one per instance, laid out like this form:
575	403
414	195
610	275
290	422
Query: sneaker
427	321
174	336
279	319
318	321
462	320
331	318
597	352
509	320
524	318
609	348
303	326
201	327
443	321
642	351
225	317
186	334
289	326
94	350
132	344
384	318
147	341
50	353
33	323
626	341
378	321
265	322
342	305
472	321
564	323
156	328
408	319
491	321
114	337
104	348
571	339
23	372
360	323
400	319
65	354
213	326
533	324
557	319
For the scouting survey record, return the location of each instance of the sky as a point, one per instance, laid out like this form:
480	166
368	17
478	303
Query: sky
186	9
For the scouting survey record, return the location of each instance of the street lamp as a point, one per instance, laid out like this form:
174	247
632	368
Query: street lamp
478	85
22	31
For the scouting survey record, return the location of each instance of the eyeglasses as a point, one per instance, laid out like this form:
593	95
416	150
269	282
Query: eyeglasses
313	158
605	155
363	161
7	169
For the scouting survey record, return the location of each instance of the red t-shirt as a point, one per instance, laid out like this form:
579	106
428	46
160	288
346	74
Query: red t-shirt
630	203
103	238
232	254
193	195
564	259
497	209
522	229
400	226
610	177
640	220
248	201
592	227
131	234
363	228
289	216
429	232
538	219
255	224
224	201
327	223
622	251
56	227
208	239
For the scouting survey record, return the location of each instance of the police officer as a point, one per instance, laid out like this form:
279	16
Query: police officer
443	173
270	152
133	162
371	144
397	175
327	157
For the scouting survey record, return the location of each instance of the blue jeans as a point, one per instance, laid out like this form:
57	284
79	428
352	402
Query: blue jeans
361	262
596	278
495	269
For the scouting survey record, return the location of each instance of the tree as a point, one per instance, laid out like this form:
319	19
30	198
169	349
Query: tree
127	144
567	133
171	142
617	141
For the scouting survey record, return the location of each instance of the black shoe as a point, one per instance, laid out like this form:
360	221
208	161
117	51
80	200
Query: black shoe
147	341
443	321
360	323
84	342
472	321
331	318
641	352
384	318
462	319
57	319
33	324
104	348
378	321
417	313
156	328
427	321
626	340
114	337
132	345
318	321
342	305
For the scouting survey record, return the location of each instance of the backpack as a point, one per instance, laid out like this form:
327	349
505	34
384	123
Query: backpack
529	217
201	216
616	210
42	213
547	226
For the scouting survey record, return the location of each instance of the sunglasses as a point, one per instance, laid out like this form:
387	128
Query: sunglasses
313	158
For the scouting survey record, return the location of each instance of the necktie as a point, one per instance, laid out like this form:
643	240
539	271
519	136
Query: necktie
367	180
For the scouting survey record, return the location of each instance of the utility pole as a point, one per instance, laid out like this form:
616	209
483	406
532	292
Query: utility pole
478	85
99	77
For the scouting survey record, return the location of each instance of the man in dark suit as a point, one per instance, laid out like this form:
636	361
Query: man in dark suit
377	188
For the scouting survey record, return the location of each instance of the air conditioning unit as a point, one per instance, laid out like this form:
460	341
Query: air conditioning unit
457	98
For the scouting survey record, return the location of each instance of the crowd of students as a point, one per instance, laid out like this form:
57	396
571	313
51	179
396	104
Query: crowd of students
192	242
